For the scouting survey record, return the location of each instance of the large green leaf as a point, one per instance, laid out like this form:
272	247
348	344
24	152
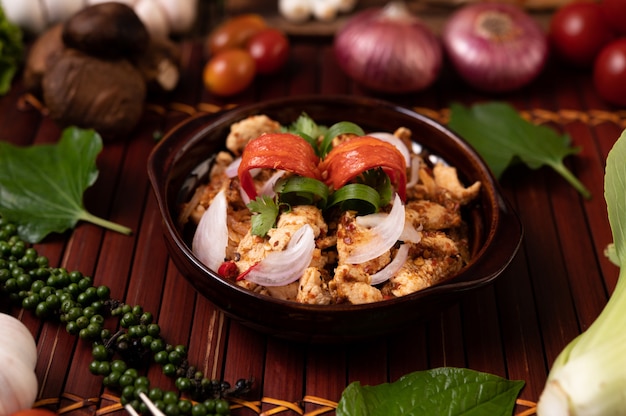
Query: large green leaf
42	186
441	391
502	136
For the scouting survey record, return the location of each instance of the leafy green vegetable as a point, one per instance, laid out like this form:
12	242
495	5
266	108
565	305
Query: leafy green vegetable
501	136
589	375
265	211
41	186
11	52
307	128
440	391
337	129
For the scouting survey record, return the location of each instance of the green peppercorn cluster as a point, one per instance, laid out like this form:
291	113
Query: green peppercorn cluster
118	356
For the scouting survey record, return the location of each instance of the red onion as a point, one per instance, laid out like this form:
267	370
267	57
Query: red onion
495	47
388	49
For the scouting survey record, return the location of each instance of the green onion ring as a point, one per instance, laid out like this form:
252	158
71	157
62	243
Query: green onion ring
356	196
337	129
304	190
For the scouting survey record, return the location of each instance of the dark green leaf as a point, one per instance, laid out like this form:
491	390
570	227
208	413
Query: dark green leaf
379	180
41	186
265	211
501	136
441	391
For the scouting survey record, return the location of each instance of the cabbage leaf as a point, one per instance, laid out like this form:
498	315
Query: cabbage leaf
503	137
439	391
42	186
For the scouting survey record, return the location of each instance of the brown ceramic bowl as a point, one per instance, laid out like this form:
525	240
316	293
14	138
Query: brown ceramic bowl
174	173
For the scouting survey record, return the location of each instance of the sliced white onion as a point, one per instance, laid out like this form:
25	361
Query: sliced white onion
280	268
415	170
383	235
211	237
268	187
396	141
231	170
392	268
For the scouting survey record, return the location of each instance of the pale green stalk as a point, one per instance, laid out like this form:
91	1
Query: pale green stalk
588	378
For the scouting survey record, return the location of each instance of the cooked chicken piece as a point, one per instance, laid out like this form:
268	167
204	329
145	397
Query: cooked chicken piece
431	215
312	289
253	249
352	285
287	292
446	177
420	273
247	129
350	234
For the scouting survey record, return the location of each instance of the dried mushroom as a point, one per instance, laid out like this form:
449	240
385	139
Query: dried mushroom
110	30
95	69
87	91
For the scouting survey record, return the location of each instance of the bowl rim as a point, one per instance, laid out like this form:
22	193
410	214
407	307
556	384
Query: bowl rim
504	236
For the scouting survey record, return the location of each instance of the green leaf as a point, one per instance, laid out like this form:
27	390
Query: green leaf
501	136
357	197
11	52
42	186
265	212
615	195
440	391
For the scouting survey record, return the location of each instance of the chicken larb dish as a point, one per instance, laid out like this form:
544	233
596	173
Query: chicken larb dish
328	215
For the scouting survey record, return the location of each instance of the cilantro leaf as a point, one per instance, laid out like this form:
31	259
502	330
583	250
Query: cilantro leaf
41	186
440	391
501	136
11	51
265	211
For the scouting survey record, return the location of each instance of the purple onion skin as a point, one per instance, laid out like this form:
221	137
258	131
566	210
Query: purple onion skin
490	65
388	54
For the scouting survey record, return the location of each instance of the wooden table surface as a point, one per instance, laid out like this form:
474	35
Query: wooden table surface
555	287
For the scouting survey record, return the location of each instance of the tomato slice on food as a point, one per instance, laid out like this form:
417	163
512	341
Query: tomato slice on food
281	151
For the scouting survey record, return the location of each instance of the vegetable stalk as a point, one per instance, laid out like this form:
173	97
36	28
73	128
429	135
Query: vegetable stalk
589	375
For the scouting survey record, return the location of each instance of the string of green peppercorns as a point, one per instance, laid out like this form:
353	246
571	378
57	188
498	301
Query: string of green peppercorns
72	299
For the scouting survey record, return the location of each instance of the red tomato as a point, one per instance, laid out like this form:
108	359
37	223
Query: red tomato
270	50
609	72
578	31
615	14
229	72
234	32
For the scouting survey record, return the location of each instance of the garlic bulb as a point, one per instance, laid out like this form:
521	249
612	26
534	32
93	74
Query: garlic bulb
18	355
299	11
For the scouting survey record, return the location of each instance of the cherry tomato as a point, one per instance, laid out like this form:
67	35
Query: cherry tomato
609	72
229	72
269	49
615	14
578	31
234	32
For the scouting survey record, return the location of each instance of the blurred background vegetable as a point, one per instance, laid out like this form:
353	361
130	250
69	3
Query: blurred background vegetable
495	47
388	49
238	49
11	52
18	354
161	17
